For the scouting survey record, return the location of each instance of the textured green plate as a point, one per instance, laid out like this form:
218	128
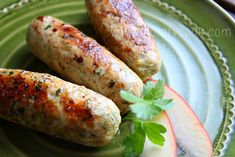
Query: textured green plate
192	41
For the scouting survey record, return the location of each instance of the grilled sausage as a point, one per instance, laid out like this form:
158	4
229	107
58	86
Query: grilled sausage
50	105
121	27
81	59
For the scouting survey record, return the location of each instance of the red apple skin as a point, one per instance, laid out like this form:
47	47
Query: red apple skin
172	134
170	148
194	139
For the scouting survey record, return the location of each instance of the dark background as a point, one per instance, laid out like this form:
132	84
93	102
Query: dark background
229	5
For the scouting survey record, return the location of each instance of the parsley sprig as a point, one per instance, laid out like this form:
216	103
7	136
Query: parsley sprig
144	109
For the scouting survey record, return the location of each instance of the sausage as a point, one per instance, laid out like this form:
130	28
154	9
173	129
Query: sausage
58	108
80	59
122	29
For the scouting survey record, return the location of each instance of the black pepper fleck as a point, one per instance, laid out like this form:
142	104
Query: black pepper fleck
111	83
79	60
38	88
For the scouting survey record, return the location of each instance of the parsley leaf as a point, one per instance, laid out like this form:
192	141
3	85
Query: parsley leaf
129	151
163	104
152	91
134	144
142	111
129	116
154	132
152	102
139	138
129	96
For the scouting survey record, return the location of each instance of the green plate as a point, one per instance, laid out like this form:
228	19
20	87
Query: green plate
194	38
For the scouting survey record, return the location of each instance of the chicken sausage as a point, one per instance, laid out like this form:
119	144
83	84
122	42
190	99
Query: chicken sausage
50	105
121	27
81	60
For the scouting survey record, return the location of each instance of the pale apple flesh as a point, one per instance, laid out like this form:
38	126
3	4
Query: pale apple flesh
169	149
190	134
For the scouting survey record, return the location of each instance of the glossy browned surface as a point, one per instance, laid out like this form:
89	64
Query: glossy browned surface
17	94
58	108
80	59
120	25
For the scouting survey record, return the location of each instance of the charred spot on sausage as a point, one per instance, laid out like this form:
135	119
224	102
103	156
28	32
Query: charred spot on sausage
40	18
54	30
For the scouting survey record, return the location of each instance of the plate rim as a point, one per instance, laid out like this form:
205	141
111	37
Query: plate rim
223	138
222	11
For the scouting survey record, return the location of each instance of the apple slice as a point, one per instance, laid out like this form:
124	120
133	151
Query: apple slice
190	134
169	148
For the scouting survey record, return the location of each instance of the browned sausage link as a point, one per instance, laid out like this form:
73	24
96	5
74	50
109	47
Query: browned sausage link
81	59
119	24
48	104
